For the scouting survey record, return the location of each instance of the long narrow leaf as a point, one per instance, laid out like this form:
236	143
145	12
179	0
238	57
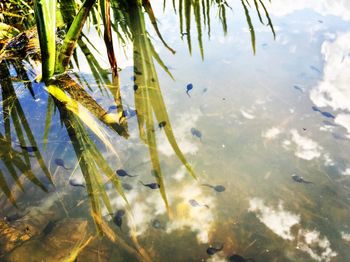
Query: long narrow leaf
250	25
45	15
4	187
268	19
72	37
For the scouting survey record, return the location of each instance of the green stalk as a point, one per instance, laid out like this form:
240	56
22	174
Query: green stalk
45	16
250	25
72	37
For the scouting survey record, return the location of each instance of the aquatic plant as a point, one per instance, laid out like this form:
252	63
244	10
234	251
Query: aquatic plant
16	155
82	116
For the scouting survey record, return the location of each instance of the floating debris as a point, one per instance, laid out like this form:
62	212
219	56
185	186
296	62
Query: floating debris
217	188
300	179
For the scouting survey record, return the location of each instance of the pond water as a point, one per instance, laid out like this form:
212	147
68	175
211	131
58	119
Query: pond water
266	135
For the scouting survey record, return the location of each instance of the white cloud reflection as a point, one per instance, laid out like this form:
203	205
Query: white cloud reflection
181	127
306	148
147	205
281	221
333	91
346	172
278	220
324	7
271	133
345	236
198	219
319	248
344	120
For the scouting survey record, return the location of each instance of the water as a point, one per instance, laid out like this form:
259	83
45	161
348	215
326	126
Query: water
257	130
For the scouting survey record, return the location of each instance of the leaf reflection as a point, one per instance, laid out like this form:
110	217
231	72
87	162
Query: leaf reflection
85	119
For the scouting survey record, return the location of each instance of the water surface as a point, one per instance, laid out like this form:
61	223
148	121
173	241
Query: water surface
261	118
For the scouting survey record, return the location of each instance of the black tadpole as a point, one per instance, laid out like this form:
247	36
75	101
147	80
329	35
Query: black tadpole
151	185
300	179
60	163
217	188
122	173
213	250
189	87
74	182
196	132
118	218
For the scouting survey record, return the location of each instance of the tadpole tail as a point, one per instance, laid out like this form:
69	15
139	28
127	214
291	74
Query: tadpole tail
188	94
208	185
307	182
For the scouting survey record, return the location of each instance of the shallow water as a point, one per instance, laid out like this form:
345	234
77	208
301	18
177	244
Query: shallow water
257	128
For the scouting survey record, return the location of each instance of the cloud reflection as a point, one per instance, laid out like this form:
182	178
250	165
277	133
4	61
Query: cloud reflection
306	148
271	133
324	7
333	91
281	222
278	220
319	248
181	126
147	205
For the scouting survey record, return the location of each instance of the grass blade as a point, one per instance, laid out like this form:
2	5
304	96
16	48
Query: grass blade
250	25
45	16
72	37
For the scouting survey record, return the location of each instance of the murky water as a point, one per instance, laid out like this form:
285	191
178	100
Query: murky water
248	125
